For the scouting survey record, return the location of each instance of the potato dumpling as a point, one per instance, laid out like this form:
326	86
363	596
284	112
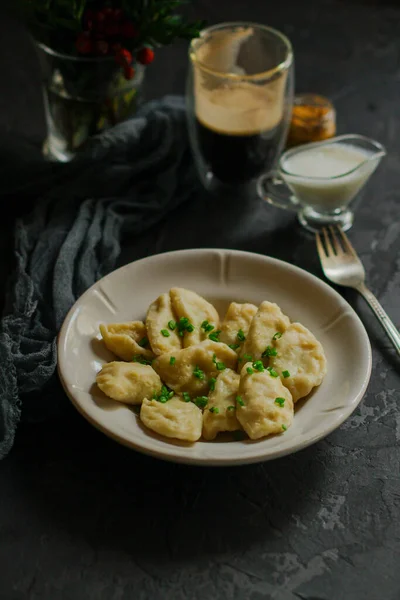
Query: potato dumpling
220	414
237	321
162	337
268	321
127	340
264	405
190	305
190	369
174	419
128	382
301	358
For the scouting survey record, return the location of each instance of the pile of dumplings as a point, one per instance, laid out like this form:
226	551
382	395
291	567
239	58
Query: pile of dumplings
195	377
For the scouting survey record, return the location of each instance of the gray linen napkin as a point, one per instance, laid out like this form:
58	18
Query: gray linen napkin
127	180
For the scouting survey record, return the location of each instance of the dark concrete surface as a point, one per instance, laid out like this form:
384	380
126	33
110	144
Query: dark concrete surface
82	518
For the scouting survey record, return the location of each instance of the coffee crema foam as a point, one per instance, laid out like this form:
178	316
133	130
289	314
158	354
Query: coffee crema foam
242	108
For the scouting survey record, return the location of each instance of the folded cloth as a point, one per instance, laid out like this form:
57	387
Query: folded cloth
126	181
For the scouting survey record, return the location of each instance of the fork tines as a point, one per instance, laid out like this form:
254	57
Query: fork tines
333	241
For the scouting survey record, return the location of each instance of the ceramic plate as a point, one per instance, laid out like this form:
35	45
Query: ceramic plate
221	276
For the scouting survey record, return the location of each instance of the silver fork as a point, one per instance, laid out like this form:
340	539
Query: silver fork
341	265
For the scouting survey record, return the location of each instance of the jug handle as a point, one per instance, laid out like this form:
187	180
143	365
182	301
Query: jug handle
272	189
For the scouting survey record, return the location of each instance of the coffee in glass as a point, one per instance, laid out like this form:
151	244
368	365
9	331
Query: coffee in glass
239	100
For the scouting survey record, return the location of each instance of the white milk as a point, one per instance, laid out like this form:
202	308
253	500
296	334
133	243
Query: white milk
328	177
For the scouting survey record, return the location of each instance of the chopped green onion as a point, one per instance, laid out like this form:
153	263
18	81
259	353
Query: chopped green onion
247	357
201	401
214	358
207	326
277	335
284	427
220	366
240	335
144	342
239	400
272	372
214	336
214	409
269	351
234	346
171	325
184	325
186	396
230	408
139	358
211	383
172	360
198	373
164	395
280	401
286	374
250	370
258	366
165	332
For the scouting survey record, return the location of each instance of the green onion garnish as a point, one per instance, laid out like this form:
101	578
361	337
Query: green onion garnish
190	328
207	326
139	358
214	409
144	342
269	351
286	374
280	401
239	400
284	427
211	383
198	373
230	407
277	335
186	396
165	332
184	325
250	370
214	336
272	372
172	325
234	346
220	366
247	357
201	401
172	360
165	395
240	335
258	366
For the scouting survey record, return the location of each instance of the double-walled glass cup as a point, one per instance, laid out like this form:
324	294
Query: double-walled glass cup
239	101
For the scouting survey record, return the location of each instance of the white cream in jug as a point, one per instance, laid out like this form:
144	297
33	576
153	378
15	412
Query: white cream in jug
328	176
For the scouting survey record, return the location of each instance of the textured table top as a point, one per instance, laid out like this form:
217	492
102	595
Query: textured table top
82	518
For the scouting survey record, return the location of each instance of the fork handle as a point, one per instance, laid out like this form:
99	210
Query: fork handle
383	317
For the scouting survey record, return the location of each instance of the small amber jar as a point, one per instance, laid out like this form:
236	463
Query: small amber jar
313	120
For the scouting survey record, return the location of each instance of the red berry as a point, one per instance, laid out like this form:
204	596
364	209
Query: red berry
145	56
83	43
129	72
101	47
123	57
128	30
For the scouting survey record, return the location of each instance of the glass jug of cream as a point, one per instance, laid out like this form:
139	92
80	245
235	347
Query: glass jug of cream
319	180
